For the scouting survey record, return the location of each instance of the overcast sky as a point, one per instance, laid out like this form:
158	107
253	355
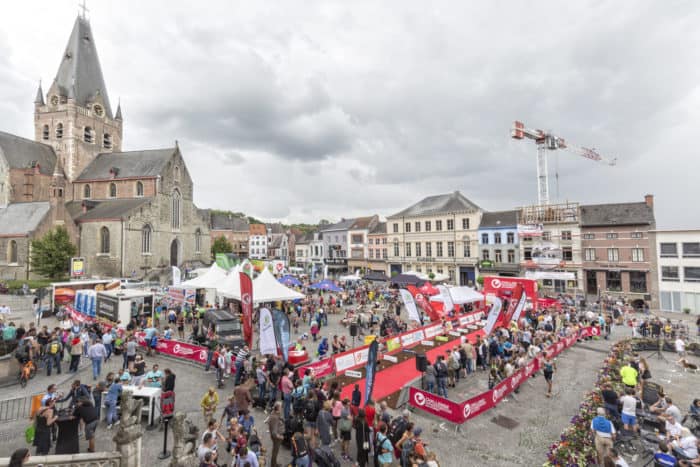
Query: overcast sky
304	110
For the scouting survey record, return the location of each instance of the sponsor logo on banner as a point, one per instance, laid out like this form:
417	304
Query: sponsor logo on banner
427	343
443	408
515	379
361	356
499	392
393	344
344	362
411	338
419	399
475	406
496	283
433	331
390	358
318	369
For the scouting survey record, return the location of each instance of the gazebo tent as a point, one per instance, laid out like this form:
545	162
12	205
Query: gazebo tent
289	280
230	286
377	276
402	280
326	284
351	277
209	280
461	295
267	289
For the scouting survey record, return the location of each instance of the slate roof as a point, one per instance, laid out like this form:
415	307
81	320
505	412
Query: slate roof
19	219
79	75
275	228
380	228
222	221
499	219
362	222
344	224
277	240
438	204
103	210
21	152
148	163
617	214
304	239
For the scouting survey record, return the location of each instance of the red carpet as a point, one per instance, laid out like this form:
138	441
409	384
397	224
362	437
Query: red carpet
397	376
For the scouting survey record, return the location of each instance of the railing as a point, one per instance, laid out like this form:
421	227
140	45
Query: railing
90	459
15	409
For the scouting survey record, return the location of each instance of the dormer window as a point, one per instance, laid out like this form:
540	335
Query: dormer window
88	135
139	189
45	133
112	190
86	192
59	131
107	141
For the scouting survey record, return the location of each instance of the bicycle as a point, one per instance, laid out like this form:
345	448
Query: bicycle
27	372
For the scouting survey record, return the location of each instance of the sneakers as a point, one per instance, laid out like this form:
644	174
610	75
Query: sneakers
109	426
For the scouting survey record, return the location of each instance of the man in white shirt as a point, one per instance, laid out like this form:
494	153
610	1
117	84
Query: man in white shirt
680	349
673	428
629	410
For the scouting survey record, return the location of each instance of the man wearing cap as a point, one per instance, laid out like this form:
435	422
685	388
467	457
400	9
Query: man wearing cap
418	444
604	434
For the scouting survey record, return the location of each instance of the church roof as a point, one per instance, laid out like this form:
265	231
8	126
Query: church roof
597	215
19	219
132	164
227	221
79	75
22	153
104	210
438	204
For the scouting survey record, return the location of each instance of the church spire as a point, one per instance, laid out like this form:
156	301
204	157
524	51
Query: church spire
39	99
79	75
118	116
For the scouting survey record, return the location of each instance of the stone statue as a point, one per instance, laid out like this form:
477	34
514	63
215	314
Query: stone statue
128	436
185	437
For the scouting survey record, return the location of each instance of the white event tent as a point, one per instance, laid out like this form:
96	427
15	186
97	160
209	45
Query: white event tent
460	295
211	278
265	288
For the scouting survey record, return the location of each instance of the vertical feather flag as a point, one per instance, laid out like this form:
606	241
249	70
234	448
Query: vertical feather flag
246	278
371	369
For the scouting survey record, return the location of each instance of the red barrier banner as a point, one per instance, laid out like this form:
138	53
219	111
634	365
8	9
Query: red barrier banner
318	369
438	406
177	349
591	331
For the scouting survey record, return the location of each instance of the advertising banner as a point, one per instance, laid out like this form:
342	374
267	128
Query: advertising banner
435	405
412	338
177	276
516	297
177	349
77	267
494	314
424	304
281	327
371	369
410	305
318	369
448	304
504	287
246	278
268	343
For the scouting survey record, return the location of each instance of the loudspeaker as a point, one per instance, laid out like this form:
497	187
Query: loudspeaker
353	330
421	362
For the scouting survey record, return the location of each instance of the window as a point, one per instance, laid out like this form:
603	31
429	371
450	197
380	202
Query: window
566	234
417	226
87	135
418	249
384	241
546	236
467	250
465	223
691	249
637	255
450	224
637	235
371	253
407	227
139	189
59	131
510	237
12	252
175	211
396	228
589	254
104	240
107	141
86	192
485	239
511	256
428	226
357	238
527	254
497	238
613	254
670	274
498	256
588	236
396	248
638	281
613	279
408	249
45	133
428	249
177	173
438	225
691	274
146	239
669	250
567	254
384	253
438	249
112	190
611	235
485	255
198	241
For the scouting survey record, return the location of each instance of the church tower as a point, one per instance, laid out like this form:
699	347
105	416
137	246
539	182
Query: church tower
76	118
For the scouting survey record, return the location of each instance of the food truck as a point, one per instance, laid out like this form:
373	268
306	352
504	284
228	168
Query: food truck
65	293
124	304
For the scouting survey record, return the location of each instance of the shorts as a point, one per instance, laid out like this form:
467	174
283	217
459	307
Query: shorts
346	435
130	358
548	375
630	420
90	429
309	424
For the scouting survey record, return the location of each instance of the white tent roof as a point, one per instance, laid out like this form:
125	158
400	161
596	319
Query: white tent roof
558	275
230	286
460	295
268	289
209	280
351	277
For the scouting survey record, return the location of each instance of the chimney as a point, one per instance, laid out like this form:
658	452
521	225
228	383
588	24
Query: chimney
649	199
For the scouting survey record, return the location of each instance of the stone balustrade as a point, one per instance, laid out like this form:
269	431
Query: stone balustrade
89	459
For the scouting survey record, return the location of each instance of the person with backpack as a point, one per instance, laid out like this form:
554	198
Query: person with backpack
324	424
404	446
344	429
300	450
53	355
441	376
311	409
384	448
77	391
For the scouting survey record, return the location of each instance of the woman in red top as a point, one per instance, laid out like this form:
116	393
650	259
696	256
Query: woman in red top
370	413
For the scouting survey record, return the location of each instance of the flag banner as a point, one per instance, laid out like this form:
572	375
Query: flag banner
448	304
520	306
423	303
513	303
177	277
410	305
494	314
246	278
371	369
268	343
280	322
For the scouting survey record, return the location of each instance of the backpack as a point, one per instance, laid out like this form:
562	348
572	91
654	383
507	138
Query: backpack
406	450
299	448
345	424
397	428
54	347
310	410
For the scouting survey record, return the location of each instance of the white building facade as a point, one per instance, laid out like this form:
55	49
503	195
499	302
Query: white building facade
678	264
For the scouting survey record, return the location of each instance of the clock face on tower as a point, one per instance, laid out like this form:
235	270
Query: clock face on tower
54	100
99	111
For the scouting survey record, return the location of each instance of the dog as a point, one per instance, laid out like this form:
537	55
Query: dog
687	366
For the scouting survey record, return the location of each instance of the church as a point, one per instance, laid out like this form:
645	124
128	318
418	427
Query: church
130	213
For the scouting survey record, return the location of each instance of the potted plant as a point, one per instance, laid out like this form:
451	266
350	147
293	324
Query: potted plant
686	310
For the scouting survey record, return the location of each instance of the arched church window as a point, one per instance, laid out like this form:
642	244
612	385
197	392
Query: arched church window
104	240
198	241
176	210
146	239
139	189
59	131
88	135
86	192
12	252
112	190
107	141
45	133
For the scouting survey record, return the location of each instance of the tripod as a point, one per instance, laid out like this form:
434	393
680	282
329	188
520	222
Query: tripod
657	353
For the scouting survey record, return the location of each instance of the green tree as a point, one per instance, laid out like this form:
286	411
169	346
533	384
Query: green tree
221	245
52	253
480	280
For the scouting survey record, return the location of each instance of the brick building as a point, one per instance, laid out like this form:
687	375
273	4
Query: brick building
232	228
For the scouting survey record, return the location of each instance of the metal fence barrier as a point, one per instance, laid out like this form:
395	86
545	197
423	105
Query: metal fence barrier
15	409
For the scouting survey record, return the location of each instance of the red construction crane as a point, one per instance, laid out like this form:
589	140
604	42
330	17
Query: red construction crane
548	141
